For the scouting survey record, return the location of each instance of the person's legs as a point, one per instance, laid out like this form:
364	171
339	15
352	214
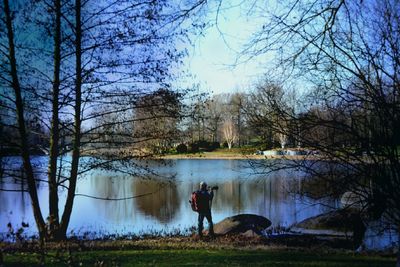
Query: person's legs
210	223
200	224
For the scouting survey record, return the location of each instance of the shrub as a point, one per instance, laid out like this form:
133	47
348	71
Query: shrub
203	145
181	148
214	145
194	148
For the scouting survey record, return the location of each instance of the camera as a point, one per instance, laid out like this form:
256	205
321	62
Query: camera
214	187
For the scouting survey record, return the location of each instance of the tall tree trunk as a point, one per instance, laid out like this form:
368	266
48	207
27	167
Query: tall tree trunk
77	124
239	124
398	247
37	213
54	131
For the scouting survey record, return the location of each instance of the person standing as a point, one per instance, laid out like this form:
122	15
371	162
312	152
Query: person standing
205	196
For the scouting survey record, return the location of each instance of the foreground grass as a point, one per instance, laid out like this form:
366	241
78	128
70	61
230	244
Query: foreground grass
199	257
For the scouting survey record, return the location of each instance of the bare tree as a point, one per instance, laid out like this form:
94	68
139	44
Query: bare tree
236	108
214	108
230	132
262	115
283	140
24	147
84	60
156	119
348	52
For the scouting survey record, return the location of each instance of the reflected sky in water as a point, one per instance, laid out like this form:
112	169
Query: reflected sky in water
166	207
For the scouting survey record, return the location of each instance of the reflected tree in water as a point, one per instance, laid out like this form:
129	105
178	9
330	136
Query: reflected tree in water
163	204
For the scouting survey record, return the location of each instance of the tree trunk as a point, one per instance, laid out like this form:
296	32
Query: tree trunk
77	125
54	130
239	124
398	247
25	154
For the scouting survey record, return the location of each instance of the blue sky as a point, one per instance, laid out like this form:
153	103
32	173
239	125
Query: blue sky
212	60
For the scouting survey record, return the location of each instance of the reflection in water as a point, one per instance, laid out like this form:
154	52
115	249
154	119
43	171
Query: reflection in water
108	186
163	204
167	208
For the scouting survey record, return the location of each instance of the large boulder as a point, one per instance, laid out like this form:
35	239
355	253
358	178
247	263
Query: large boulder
352	200
248	224
346	223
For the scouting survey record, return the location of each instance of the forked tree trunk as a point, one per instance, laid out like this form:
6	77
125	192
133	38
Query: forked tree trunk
54	130
77	124
229	145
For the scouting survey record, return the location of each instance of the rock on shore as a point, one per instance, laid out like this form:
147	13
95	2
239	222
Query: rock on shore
344	223
247	224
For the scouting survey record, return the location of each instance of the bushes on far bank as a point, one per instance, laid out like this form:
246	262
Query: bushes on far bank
198	146
181	148
205	146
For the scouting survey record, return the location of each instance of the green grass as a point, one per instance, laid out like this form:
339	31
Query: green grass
202	257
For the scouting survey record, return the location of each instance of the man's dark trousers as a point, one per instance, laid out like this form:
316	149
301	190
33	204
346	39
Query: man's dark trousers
207	215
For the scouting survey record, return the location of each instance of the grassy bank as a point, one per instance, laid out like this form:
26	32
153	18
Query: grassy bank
199	257
187	251
234	153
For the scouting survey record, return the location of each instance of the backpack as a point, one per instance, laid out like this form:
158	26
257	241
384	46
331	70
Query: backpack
195	201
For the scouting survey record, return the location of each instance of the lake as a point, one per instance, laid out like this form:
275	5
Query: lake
165	208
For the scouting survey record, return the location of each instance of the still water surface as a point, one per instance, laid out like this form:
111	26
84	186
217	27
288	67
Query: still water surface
166	208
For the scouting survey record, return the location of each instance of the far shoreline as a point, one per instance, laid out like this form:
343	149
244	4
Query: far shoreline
206	156
234	156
